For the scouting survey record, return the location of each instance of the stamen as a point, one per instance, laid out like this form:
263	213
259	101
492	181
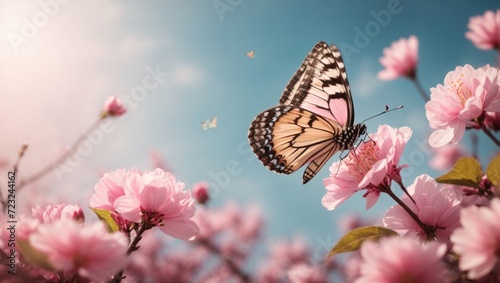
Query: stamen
361	160
458	88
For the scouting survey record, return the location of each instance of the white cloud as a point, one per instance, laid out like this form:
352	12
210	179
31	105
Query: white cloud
188	74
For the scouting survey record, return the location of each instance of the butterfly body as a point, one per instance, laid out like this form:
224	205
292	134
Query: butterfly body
314	118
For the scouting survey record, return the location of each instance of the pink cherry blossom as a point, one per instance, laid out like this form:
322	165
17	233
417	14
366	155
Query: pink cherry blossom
484	31
400	60
445	157
472	196
467	93
209	224
178	266
270	272
438	207
113	106
282	256
352	267
304	273
50	213
200	192
110	187
289	253
246	223
153	196
151	262
372	164
402	260
214	221
251	224
230	231
26	227
89	250
157	198
219	274
478	240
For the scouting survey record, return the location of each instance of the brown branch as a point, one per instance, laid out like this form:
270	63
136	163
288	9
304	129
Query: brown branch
61	159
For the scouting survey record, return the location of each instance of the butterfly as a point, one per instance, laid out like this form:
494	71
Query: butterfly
250	54
209	124
313	120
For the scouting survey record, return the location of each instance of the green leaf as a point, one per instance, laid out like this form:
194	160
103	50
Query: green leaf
106	217
33	256
493	171
352	241
466	172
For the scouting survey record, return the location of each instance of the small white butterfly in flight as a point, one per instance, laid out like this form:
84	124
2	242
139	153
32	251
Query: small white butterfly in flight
209	124
250	54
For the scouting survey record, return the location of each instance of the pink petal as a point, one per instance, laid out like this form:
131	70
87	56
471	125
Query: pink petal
441	137
331	201
153	198
371	199
129	207
184	229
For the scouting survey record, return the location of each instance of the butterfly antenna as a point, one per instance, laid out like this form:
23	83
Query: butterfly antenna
387	110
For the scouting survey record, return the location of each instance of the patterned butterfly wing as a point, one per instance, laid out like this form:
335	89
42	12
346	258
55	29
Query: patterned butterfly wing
286	137
321	86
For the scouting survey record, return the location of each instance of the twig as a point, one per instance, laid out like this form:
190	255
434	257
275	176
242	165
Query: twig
402	186
430	234
15	169
420	89
492	137
61	159
118	277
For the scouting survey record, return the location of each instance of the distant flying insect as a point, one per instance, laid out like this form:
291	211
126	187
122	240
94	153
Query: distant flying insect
209	124
250	54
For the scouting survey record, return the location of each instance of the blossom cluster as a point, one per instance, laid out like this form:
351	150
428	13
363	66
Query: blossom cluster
447	228
149	228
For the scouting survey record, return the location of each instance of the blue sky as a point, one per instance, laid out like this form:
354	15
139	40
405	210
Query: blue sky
52	86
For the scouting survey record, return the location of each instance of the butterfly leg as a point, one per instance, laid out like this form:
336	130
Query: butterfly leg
342	157
366	141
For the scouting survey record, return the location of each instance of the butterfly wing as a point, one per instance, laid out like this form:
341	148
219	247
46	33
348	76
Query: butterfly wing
321	86
213	122
286	137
